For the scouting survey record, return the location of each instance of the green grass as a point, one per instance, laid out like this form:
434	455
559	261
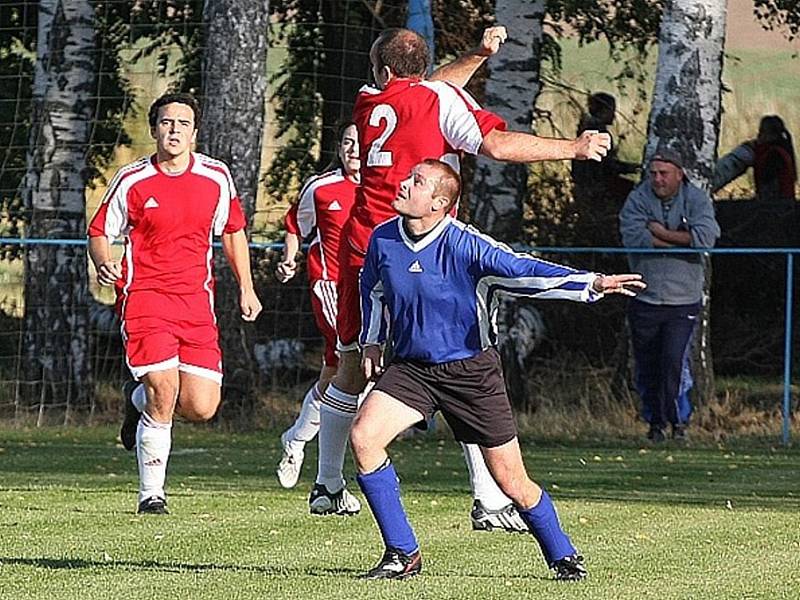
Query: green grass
696	522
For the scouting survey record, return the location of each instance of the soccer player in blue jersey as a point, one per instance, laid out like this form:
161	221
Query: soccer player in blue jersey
431	281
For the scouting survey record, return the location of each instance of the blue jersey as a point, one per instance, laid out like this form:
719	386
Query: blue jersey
438	297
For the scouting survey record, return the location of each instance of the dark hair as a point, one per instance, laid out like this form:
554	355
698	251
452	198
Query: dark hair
336	161
449	184
172	98
601	101
779	135
404	51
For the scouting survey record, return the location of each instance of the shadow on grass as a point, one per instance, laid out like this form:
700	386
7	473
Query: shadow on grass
172	567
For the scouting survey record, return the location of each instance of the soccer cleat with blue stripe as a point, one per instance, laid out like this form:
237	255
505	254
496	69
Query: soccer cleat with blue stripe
395	565
505	519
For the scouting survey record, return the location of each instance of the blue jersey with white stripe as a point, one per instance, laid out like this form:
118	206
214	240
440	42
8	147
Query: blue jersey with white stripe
438	295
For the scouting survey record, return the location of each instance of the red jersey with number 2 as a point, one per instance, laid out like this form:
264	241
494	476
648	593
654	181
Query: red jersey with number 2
408	121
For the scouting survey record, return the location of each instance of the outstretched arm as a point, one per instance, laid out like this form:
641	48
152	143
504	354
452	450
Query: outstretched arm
461	70
516	146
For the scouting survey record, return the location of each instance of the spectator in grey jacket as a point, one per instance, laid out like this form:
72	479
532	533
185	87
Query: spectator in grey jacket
666	211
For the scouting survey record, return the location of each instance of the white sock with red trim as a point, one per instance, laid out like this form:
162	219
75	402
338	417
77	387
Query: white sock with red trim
336	416
484	487
153	443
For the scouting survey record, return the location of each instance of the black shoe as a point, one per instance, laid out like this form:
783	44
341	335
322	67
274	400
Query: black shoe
153	506
679	433
127	433
656	434
396	565
506	519
570	568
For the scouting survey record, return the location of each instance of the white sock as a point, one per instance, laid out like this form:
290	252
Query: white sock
139	397
484	487
153	443
306	425
335	419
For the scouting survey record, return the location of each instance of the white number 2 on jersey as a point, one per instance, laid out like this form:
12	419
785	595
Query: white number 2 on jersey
376	157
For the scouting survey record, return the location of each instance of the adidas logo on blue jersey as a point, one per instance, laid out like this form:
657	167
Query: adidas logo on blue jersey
415	267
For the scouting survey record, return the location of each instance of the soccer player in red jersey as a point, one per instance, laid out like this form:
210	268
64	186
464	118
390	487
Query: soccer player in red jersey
402	121
168	207
323	209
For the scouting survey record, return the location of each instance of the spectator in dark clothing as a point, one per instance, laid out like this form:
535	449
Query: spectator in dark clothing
599	188
772	157
774	167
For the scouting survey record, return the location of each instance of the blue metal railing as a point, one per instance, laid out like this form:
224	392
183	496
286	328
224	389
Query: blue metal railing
788	323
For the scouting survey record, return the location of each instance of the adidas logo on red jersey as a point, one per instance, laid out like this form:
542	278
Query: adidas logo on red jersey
151	203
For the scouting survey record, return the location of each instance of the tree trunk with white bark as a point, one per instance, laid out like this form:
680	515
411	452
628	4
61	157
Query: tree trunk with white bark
57	341
500	189
685	116
234	96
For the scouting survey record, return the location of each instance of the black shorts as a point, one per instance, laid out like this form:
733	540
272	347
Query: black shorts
470	393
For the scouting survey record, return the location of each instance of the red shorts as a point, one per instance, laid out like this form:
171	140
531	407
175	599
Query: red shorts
323	305
167	331
348	317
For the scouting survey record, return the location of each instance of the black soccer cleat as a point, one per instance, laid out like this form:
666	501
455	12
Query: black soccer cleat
396	565
656	434
127	433
504	519
154	505
570	568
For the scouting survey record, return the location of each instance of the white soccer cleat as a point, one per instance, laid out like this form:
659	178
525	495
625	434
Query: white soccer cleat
290	465
323	502
502	519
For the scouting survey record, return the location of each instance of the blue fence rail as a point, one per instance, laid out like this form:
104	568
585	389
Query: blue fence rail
789	299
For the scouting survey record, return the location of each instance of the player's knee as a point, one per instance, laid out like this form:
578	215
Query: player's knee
361	441
197	411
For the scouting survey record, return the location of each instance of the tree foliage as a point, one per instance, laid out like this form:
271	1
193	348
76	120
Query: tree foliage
783	15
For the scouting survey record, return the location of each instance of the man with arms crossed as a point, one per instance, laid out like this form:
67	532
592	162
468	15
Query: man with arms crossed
402	121
168	206
431	281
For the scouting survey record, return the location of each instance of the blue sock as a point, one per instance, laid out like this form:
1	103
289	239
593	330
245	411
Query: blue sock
543	523
382	490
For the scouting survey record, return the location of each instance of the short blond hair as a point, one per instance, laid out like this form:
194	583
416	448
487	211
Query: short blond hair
449	182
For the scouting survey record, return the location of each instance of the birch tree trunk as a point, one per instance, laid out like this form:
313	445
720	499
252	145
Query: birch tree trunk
685	115
234	92
57	341
500	189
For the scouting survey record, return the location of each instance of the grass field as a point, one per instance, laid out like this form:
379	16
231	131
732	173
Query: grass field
695	522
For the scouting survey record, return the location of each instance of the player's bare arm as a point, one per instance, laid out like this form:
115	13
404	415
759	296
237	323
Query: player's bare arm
238	254
516	146
627	284
108	269
461	70
287	268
